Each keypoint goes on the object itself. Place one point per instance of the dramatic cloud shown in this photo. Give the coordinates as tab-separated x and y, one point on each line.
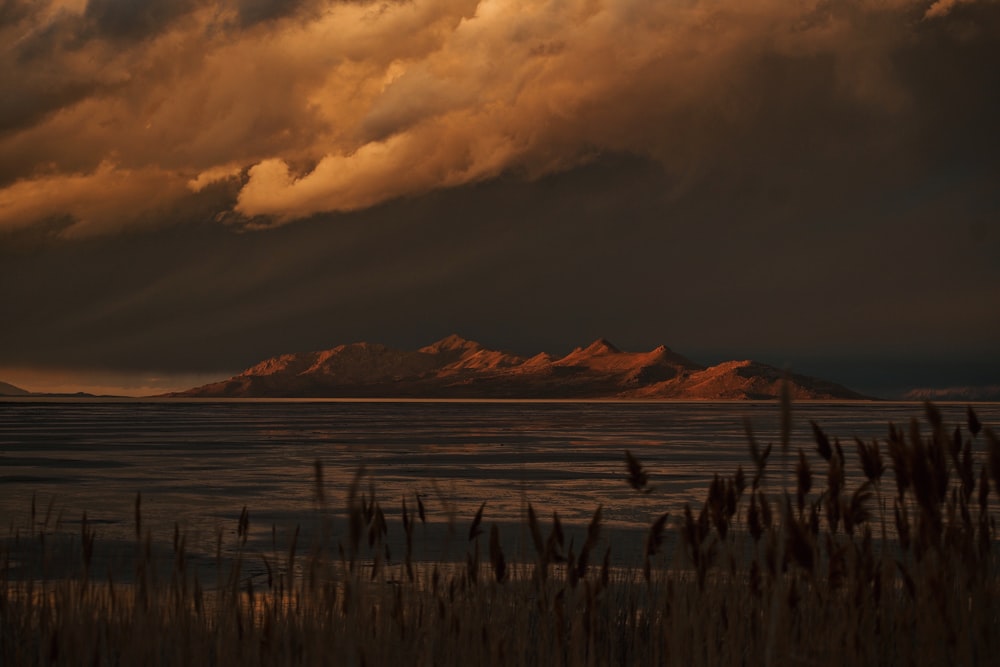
336	106
188	186
942	7
104	200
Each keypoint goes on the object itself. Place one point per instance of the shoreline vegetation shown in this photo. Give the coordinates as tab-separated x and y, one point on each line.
782	563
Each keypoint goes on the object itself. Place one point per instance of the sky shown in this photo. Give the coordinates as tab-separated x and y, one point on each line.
188	187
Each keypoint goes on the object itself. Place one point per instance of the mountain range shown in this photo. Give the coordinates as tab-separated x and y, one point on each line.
458	368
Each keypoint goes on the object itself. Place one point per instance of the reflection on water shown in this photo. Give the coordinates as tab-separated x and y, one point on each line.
199	463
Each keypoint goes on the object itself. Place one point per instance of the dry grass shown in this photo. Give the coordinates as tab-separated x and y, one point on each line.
774	568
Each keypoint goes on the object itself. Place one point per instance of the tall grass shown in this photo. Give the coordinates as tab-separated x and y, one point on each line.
781	564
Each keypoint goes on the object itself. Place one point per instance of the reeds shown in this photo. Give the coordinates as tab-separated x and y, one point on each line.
808	571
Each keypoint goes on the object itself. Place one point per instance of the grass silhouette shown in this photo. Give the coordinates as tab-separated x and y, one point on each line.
782	564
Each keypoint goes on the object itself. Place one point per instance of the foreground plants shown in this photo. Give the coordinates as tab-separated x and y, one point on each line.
786	563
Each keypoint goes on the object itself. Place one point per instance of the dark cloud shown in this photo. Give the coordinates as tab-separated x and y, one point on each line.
32	73
13	12
601	250
131	20
806	186
36	100
252	12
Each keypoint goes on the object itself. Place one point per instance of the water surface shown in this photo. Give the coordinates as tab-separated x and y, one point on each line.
198	463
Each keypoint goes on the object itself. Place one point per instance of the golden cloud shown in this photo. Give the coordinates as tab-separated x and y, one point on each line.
347	105
943	7
104	200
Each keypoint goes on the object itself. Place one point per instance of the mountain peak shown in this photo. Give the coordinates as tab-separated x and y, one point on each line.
601	346
452	343
601	352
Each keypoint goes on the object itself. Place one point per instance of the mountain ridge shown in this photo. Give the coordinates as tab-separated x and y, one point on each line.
7	389
455	367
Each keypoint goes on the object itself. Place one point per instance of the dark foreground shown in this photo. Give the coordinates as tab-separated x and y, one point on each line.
868	553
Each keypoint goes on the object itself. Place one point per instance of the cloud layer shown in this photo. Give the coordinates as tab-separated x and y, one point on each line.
805	181
123	111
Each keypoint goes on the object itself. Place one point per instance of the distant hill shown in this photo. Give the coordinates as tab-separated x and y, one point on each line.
11	390
458	368
987	393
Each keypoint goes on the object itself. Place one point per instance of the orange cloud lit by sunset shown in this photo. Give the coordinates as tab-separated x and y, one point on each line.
341	106
189	186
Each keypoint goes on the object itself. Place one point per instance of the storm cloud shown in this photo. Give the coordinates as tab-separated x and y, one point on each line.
339	106
189	186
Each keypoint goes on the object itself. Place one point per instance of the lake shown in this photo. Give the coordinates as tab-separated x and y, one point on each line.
198	463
